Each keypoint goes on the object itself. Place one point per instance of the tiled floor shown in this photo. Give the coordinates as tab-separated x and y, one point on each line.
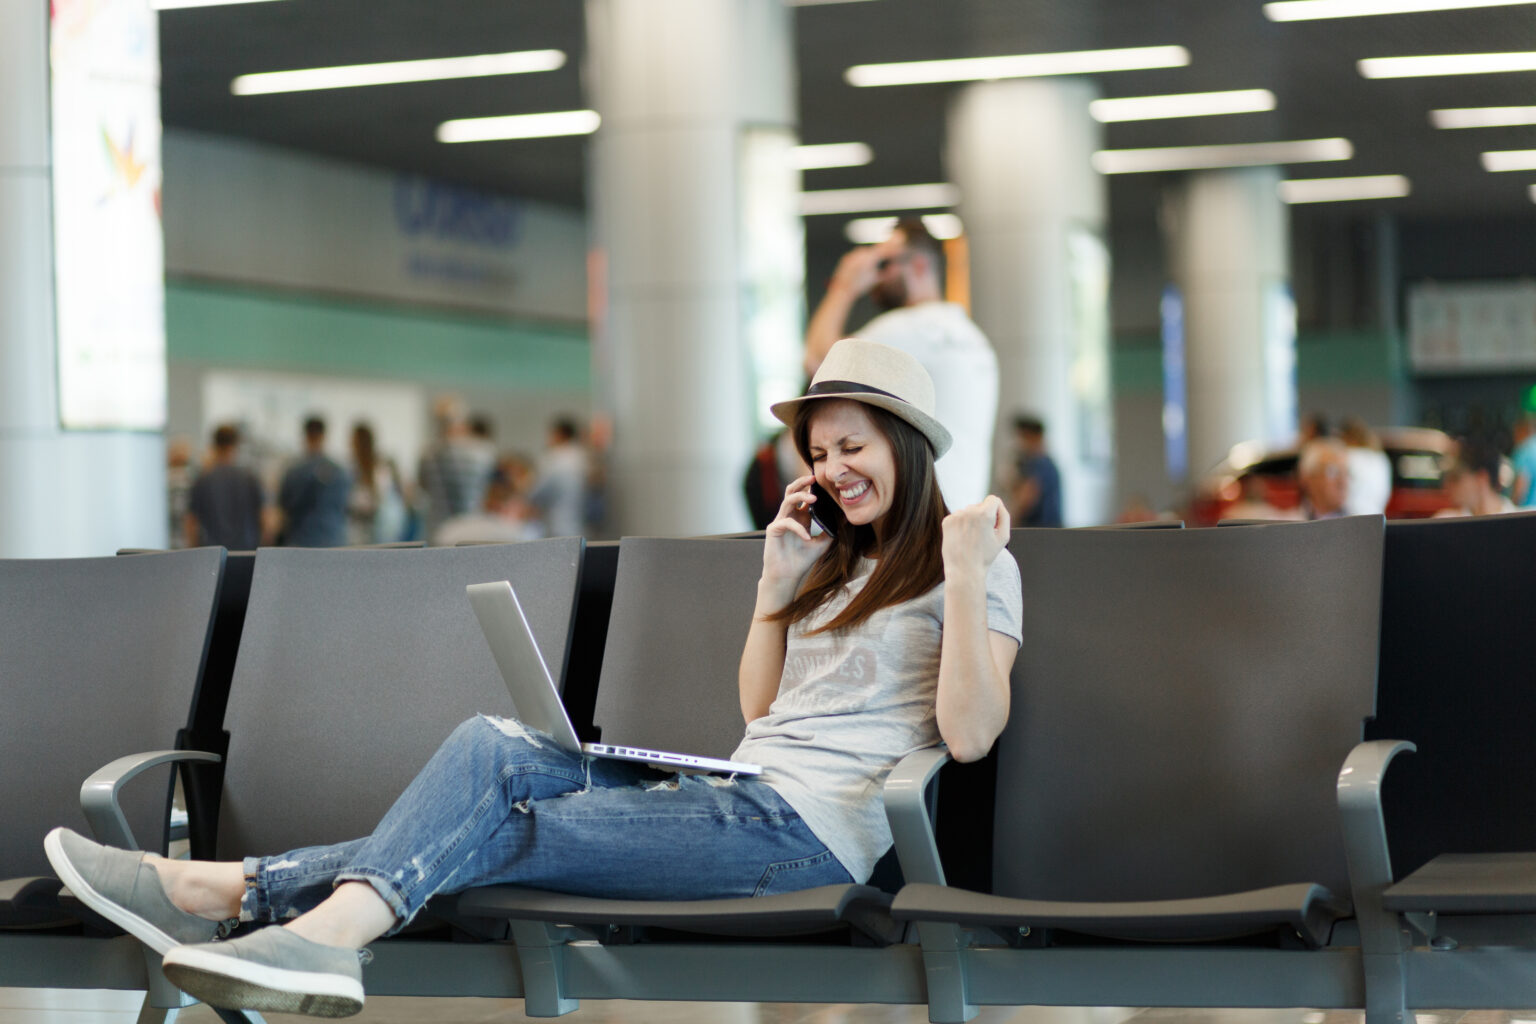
58	1006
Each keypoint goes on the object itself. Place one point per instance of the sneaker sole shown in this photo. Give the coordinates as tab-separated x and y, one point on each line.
233	984
118	914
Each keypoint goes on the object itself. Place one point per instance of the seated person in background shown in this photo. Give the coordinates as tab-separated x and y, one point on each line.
1370	470
1472	481
1323	472
894	633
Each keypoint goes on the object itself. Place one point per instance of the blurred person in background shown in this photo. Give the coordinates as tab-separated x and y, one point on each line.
1323	472
506	517
903	276
773	466
481	426
313	495
1472	481
376	503
1035	495
564	471
1523	458
225	505
1370	470
454	473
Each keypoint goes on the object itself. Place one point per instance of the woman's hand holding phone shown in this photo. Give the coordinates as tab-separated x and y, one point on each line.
790	550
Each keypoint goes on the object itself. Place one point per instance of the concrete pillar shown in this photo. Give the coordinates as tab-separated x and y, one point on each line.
697	100
62	493
1034	213
1229	242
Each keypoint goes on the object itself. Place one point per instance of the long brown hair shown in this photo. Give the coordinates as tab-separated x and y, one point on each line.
911	557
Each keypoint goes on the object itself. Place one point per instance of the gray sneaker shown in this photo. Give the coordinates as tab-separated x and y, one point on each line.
122	888
274	970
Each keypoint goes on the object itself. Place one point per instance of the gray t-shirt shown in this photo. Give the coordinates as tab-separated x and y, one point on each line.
851	704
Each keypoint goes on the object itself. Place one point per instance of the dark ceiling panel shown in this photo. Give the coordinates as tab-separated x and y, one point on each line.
1310	66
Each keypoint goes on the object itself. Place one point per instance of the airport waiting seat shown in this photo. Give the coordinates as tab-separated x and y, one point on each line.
1458	678
1183	703
101	658
354	665
681	612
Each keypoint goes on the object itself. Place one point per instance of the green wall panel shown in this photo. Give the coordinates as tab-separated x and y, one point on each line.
271	330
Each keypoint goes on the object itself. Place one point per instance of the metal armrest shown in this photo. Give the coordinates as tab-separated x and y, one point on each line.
906	808
1365	840
99	793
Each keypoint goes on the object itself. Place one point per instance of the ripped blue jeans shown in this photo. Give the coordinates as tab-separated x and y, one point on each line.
501	804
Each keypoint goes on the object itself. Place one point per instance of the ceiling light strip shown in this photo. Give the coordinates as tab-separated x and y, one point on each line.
1446	64
870	200
1194	158
832	154
1337	190
1510	160
519	126
1308	10
1189	104
1026	65
1482	117
176	5
394	72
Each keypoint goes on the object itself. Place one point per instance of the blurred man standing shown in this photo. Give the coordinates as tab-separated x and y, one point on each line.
1036	492
561	491
1472	481
903	276
456	470
313	496
226	500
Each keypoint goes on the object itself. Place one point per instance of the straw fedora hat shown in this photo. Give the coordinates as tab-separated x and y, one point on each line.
878	375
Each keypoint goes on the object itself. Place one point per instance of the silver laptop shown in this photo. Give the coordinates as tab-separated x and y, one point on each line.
535	700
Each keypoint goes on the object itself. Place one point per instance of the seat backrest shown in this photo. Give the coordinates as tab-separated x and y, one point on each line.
354	666
1458	678
681	612
1183	701
99	658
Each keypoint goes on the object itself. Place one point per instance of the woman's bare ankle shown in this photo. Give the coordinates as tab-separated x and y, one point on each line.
208	889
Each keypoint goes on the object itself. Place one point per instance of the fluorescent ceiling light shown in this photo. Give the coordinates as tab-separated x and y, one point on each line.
1481	117
1189	104
1338	190
176	5
1192	158
1025	65
869	230
1446	64
833	154
1307	10
1510	160
867	200
519	126
434	69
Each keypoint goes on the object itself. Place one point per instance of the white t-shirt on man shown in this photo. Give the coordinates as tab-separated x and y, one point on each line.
963	366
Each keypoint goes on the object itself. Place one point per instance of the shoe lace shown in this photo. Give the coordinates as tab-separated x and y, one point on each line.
365	957
226	926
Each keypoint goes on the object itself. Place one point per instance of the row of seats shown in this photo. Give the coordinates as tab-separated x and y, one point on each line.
1180	812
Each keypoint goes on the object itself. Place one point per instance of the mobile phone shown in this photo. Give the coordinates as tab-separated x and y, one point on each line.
824	510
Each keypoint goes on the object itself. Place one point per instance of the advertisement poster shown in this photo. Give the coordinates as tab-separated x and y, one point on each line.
108	245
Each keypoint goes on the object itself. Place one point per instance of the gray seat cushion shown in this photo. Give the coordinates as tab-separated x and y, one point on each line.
794	913
1308	910
1468	883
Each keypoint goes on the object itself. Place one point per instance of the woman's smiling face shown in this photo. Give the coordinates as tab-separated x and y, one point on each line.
853	461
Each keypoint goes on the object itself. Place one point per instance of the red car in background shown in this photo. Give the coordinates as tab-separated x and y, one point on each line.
1252	481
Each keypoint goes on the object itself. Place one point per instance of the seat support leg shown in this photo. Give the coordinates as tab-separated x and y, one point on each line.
944	970
541	953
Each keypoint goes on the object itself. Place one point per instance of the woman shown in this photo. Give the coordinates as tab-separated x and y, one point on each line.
375	506
894	634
